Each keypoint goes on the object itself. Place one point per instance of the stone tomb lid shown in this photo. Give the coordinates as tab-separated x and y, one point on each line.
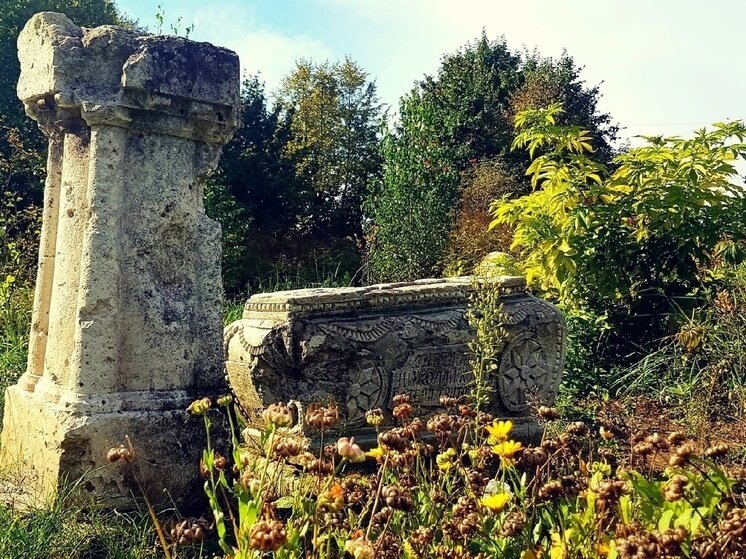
323	300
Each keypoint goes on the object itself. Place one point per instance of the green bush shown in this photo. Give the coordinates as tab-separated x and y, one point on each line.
628	245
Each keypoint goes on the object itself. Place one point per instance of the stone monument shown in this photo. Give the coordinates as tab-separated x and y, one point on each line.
361	346
127	312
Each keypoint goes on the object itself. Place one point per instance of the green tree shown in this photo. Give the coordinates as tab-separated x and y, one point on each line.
255	194
415	198
469	107
334	117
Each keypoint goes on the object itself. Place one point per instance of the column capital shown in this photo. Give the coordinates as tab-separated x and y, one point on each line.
114	76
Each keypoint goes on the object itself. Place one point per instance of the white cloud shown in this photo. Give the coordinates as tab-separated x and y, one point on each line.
261	49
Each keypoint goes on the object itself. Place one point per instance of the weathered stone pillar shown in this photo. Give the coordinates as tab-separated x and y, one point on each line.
127	314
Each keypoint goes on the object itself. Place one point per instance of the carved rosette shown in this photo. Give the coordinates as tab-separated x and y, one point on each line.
368	390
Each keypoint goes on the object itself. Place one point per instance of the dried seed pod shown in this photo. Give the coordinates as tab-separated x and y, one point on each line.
397	497
717	451
548	414
278	414
268	535
321	418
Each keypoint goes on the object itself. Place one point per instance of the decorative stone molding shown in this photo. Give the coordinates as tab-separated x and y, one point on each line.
127	312
361	346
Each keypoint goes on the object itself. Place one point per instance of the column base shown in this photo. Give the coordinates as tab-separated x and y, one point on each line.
51	447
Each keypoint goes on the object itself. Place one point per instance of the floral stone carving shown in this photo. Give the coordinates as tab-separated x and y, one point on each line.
360	346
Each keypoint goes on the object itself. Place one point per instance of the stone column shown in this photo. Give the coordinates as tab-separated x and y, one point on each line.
127	326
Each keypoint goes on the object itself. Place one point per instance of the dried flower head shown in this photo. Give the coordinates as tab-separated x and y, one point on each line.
374	417
287	448
278	414
268	535
199	407
190	531
548	414
322	418
121	452
448	401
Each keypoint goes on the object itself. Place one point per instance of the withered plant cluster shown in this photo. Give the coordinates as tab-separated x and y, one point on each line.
457	484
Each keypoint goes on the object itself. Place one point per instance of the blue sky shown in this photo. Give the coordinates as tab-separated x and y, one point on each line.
666	66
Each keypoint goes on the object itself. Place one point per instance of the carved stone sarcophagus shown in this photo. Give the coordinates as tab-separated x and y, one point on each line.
360	346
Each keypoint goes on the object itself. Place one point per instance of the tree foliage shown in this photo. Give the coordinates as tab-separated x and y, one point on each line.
334	115
465	114
630	244
415	201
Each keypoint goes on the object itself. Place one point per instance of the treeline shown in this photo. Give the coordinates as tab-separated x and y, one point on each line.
322	179
321	184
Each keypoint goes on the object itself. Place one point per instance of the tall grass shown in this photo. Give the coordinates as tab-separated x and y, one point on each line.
15	320
72	529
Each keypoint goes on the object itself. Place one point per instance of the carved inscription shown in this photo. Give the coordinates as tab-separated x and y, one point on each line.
432	372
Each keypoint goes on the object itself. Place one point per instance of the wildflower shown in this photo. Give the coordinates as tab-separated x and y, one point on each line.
225	400
278	415
499	430
199	407
507	450
496	503
360	548
349	450
333	499
559	546
376	453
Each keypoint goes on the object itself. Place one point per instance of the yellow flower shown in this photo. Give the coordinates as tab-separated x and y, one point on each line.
499	430
333	499
376	453
507	449
497	502
604	547
445	460
559	547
